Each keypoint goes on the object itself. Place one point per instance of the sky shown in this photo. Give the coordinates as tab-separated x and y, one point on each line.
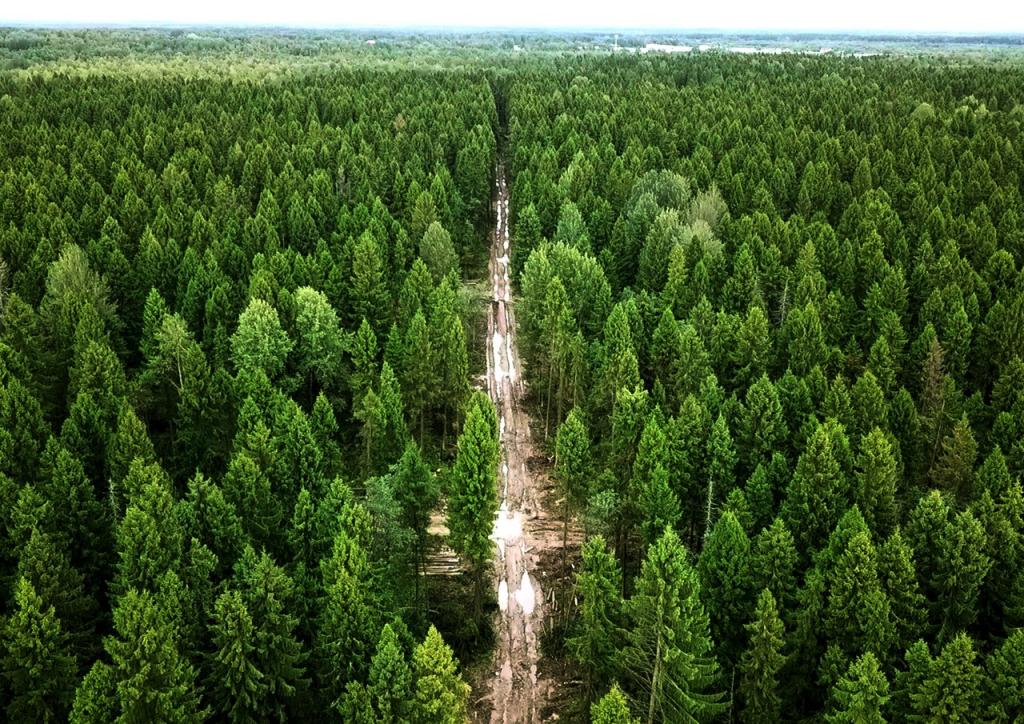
937	16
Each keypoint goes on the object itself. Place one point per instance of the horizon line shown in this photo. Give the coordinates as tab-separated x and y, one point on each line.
447	29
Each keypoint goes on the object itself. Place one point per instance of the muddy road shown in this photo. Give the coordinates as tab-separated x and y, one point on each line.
524	532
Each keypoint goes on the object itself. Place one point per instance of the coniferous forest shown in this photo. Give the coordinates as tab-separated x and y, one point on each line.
770	312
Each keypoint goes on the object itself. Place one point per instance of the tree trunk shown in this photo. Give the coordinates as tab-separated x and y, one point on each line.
565	534
655	676
547	412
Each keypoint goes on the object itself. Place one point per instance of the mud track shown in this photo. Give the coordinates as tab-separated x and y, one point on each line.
524	531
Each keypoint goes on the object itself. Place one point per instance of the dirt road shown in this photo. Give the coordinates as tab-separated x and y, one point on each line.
522	529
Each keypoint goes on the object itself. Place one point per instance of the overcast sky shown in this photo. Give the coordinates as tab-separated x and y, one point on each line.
959	16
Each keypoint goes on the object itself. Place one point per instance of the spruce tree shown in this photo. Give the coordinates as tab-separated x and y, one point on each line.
598	632
721	468
761	663
898	575
259	342
236	687
951	690
954	469
724	569
861	695
420	377
453	368
669	654
365	372
877	483
773	561
572	466
267	592
155	681
473	493
440	695
47	568
656	505
390	683
963	566
438	252
762	425
612	708
813	501
345	633
38	665
1004	681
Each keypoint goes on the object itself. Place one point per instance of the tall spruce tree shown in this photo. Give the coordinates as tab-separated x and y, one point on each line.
38	665
861	695
440	695
236	687
598	631
670	655
473	492
761	663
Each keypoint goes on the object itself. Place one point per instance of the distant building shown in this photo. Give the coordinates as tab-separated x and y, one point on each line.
662	48
371	41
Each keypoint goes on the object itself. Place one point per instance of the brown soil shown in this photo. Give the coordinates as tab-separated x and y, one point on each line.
528	529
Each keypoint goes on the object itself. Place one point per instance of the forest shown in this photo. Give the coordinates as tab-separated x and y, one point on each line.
770	312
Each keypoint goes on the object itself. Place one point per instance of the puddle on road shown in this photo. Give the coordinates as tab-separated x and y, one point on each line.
525	596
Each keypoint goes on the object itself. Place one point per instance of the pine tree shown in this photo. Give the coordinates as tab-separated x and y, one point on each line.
761	663
898	576
440	695
155	682
669	654
419	372
390	683
877	482
259	342
572	466
954	469
951	690
37	662
613	708
657	506
1004	681
724	569
861	694
473	494
235	685
813	501
438	252
857	616
773	561
267	593
598	631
